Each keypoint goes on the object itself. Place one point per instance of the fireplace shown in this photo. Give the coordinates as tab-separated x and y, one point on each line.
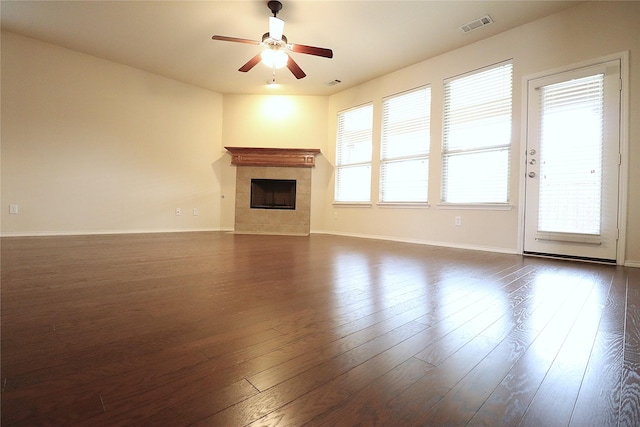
273	193
273	190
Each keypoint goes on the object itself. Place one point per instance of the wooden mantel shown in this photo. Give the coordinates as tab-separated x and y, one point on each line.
290	157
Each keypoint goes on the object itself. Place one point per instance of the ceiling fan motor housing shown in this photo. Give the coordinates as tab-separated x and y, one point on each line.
266	39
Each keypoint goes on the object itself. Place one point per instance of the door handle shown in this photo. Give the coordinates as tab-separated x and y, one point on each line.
532	174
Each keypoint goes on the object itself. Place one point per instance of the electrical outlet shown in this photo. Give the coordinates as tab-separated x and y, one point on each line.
195	212
335	215
178	211
458	221
13	209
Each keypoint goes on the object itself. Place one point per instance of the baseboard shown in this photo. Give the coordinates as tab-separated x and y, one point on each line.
422	242
106	232
628	263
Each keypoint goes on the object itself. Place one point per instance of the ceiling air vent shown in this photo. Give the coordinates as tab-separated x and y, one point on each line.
333	82
476	23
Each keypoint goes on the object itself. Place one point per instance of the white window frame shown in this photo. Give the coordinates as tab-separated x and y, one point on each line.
460	117
400	117
353	155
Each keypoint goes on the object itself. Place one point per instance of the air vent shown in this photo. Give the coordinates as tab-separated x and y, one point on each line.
476	23
333	82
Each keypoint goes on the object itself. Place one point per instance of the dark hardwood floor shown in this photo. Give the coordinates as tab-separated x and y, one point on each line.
217	329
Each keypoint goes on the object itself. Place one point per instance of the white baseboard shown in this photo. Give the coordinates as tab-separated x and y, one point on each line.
105	232
628	263
422	242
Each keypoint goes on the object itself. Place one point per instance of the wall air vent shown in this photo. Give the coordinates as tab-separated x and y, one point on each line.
476	23
333	82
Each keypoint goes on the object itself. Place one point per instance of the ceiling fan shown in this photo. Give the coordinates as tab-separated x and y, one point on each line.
275	53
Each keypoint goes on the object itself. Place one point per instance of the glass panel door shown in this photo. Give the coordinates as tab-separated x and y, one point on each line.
572	163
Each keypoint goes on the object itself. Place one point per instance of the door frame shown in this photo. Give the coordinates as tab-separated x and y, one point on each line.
623	171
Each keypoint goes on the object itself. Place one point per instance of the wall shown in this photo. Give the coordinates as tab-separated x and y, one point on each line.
588	31
276	122
91	146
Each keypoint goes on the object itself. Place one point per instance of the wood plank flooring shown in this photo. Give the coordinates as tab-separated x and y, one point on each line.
217	329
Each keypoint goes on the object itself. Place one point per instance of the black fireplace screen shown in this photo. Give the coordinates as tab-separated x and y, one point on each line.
273	193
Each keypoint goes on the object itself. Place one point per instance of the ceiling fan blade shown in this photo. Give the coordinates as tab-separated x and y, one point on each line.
251	63
235	39
311	50
295	68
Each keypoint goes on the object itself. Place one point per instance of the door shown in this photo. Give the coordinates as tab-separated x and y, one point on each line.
572	163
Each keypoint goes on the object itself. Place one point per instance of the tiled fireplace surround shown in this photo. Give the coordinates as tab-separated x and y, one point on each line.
273	163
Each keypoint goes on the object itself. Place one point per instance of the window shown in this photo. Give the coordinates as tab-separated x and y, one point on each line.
477	137
404	151
571	151
353	155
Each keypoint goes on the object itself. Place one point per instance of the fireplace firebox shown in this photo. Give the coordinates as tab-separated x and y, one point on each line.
273	194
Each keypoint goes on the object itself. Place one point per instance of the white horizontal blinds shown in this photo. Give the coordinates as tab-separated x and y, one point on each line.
571	147
353	155
404	151
477	137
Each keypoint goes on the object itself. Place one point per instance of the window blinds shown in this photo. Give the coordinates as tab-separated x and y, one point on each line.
404	151
353	155
477	137
571	146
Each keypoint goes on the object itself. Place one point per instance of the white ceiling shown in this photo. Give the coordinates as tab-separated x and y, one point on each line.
173	38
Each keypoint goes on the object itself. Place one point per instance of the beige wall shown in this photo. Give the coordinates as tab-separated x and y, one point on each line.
91	146
579	34
280	122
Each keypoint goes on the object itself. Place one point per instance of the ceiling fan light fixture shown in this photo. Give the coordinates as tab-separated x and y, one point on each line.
274	58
